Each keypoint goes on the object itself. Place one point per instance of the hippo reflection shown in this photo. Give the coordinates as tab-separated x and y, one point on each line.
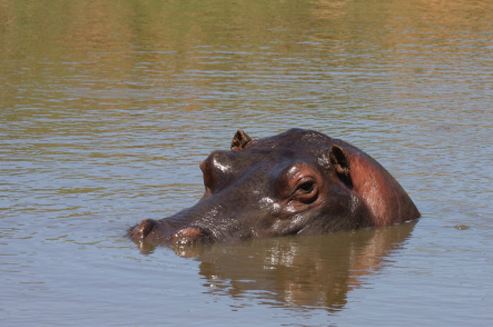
316	271
299	182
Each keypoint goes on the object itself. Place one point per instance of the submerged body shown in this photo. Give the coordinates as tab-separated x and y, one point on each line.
297	182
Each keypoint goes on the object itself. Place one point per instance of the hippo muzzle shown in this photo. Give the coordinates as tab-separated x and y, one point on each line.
298	182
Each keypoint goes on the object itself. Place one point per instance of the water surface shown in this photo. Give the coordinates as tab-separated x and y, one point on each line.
107	107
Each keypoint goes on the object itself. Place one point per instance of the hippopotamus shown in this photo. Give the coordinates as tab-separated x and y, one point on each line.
300	182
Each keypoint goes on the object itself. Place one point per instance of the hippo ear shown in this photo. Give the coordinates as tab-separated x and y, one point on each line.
240	140
382	194
340	162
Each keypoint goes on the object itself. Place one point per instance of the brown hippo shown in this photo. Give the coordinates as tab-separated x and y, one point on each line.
298	182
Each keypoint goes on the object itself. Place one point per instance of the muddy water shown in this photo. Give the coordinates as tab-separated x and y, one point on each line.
107	107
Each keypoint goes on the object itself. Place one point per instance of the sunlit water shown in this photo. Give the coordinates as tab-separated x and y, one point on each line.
106	109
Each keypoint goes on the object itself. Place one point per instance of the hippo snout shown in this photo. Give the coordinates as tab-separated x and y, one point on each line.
153	231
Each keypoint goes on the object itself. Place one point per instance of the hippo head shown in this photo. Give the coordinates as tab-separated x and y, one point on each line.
297	182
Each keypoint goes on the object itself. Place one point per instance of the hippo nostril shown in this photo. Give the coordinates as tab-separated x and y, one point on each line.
190	235
189	232
140	231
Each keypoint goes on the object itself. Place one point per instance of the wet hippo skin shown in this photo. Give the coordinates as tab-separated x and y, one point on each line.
299	182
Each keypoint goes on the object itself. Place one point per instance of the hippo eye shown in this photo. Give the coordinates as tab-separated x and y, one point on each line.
306	191
307	186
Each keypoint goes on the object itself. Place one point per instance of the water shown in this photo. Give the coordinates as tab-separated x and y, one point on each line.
107	107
